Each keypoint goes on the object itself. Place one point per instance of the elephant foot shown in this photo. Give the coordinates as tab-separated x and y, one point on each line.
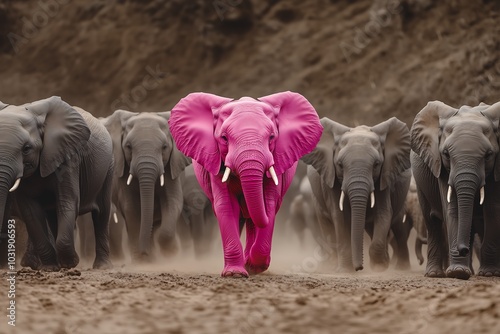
458	271
143	258
69	260
403	265
489	271
344	269
257	264
49	267
102	264
32	261
234	272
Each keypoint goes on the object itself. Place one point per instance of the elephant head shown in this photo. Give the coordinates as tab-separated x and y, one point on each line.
144	149
250	138
361	160
37	138
461	147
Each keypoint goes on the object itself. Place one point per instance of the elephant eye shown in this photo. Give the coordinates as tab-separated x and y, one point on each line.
128	145
224	138
376	163
164	147
446	154
488	155
27	149
271	137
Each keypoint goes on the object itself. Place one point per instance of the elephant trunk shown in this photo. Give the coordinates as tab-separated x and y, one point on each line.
147	175
7	179
358	193
466	187
252	183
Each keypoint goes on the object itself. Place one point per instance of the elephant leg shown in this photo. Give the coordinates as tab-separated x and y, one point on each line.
394	246
418	251
201	235
490	248
250	237
259	257
401	234
40	253
65	243
167	239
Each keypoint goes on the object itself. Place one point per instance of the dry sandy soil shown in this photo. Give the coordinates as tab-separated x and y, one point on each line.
299	294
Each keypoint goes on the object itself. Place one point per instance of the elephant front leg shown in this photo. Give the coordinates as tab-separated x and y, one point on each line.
40	253
259	257
167	240
251	234
490	249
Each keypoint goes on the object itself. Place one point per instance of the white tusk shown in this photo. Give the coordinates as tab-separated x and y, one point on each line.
226	174
162	180
115	217
372	200
341	202
16	184
129	179
273	175
482	196
404	218
448	197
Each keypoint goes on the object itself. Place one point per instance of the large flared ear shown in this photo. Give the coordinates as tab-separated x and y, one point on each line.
192	127
115	124
493	113
322	157
65	132
425	133
177	161
299	128
395	138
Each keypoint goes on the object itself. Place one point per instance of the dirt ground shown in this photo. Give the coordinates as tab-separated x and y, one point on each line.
299	294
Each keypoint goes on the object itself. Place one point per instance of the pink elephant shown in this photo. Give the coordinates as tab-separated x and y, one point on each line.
245	153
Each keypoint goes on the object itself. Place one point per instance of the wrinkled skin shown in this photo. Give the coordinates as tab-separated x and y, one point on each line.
360	162
62	156
455	155
242	139
197	224
145	153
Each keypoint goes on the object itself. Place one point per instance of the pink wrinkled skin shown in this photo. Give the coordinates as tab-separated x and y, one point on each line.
248	136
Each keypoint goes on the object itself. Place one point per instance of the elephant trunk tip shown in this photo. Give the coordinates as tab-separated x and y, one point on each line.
463	250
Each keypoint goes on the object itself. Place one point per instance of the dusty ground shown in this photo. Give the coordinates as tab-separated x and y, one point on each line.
298	295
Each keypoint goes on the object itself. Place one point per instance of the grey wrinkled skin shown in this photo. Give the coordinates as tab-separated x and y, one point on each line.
144	148
360	161
63	156
458	149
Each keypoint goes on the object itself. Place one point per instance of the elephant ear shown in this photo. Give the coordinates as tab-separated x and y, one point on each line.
493	113
178	161
65	132
321	158
395	138
299	128
425	133
192	127
115	124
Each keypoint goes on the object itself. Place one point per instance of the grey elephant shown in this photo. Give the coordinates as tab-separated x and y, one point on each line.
415	220
360	177
456	164
147	183
55	164
302	214
197	225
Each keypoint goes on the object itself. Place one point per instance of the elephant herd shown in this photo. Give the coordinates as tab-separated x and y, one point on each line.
169	175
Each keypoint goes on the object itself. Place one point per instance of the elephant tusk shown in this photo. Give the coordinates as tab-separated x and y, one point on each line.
162	180
448	197
372	200
481	196
273	175
129	180
115	217
226	174
16	184
404	218
341	202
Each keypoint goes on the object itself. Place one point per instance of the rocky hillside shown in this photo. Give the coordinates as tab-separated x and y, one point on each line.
356	61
